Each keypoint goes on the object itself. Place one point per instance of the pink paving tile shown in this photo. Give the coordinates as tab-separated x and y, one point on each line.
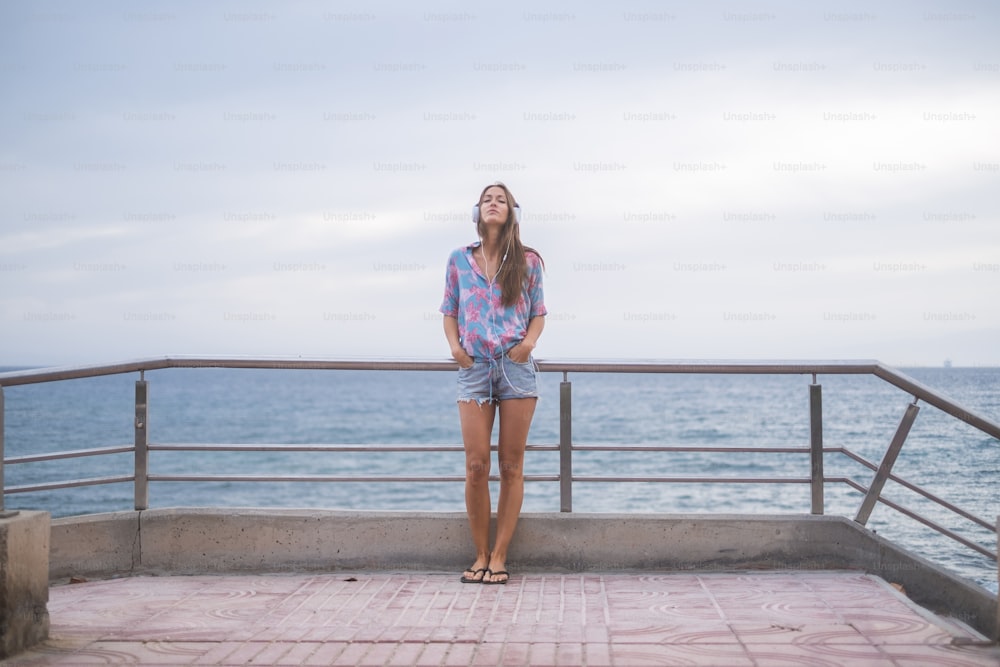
863	600
377	653
715	632
273	653
298	653
536	653
327	653
496	633
597	655
246	653
767	632
315	635
339	633
459	655
618	612
781	612
133	653
488	654
216	653
433	654
645	633
636	655
596	633
569	653
504	654
898	628
845	655
758	581
290	633
353	654
405	654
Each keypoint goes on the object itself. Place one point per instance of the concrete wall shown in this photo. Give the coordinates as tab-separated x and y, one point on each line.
189	541
95	545
24	581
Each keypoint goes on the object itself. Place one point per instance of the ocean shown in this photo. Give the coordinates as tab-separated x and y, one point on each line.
948	458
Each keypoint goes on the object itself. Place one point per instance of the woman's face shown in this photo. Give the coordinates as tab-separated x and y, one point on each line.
493	207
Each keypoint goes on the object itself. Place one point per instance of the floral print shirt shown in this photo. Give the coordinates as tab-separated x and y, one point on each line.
488	328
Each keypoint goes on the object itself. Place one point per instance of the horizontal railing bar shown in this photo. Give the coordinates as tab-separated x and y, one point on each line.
927	522
70	454
68	484
277	447
855	457
709	367
846	480
56	374
345	448
691	448
941	529
857	486
697	480
330	478
343	478
943	503
926	494
32	376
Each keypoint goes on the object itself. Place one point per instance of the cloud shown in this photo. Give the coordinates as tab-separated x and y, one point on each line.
703	180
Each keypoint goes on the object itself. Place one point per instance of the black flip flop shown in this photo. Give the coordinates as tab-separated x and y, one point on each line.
472	580
490	573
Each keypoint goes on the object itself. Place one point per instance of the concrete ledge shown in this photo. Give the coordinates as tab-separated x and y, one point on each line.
95	545
196	541
24	581
214	540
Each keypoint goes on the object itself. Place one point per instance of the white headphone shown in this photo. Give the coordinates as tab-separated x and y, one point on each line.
517	214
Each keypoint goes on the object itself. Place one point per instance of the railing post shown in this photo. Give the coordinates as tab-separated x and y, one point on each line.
4	514
885	469
141	445
816	445
565	445
3	487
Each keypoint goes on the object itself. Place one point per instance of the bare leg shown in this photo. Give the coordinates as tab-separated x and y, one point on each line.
477	427
515	420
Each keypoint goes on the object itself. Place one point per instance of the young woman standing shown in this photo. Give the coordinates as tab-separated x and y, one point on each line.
494	312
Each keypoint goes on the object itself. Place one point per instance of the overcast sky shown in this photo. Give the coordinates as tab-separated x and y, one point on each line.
779	180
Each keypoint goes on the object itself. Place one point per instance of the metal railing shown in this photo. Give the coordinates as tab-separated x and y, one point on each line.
872	493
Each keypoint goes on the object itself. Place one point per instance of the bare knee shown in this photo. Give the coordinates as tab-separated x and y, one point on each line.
477	471
511	471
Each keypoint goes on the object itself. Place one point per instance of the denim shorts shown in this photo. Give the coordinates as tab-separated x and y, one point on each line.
497	379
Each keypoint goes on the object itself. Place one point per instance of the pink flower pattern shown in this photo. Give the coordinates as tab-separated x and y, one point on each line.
488	328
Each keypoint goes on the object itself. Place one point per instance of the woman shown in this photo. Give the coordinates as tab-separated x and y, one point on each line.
494	312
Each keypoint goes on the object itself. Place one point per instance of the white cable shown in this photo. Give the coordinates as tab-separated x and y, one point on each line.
493	320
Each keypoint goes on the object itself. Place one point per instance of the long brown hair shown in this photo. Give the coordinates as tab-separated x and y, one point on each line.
513	274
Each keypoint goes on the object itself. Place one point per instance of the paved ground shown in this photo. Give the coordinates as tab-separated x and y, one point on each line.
735	618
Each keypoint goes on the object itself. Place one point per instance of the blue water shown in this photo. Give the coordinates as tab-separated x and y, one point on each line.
943	455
